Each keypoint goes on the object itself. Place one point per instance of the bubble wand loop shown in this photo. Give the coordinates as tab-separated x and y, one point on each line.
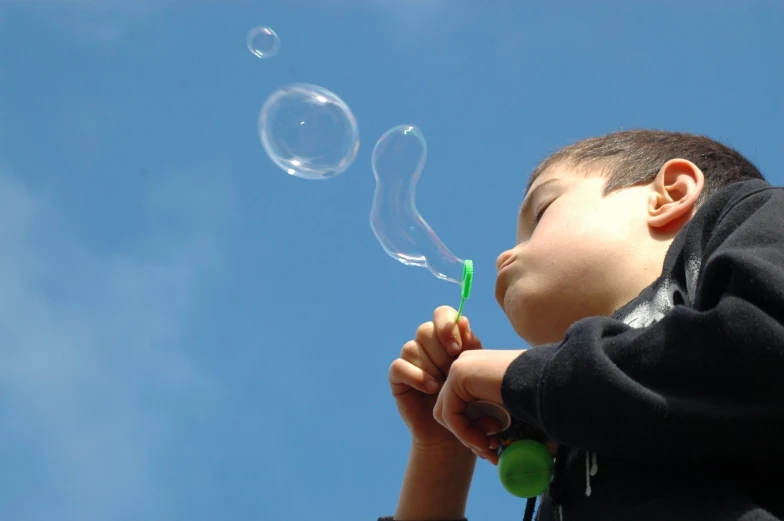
465	286
524	464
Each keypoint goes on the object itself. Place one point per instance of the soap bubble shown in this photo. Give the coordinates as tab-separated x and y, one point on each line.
263	42
308	131
398	161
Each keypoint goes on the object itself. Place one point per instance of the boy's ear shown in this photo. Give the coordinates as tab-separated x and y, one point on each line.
674	194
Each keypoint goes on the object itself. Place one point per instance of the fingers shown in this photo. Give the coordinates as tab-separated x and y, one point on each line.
490	426
447	331
438	343
414	370
489	455
470	341
454	336
449	411
429	344
425	361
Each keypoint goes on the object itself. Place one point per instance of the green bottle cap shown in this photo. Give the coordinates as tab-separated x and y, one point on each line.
525	468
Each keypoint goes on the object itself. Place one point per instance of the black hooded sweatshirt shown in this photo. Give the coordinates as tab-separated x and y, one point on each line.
673	408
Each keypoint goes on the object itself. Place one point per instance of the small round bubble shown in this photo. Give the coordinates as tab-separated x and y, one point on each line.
308	131
398	161
263	42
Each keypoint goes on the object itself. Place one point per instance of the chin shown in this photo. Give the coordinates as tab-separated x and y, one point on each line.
535	335
531	319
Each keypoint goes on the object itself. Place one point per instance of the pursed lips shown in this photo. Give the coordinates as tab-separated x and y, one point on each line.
500	286
508	262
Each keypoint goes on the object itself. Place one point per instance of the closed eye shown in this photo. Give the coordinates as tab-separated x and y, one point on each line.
540	213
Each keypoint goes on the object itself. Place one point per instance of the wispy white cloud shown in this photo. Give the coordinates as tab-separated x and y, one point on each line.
93	365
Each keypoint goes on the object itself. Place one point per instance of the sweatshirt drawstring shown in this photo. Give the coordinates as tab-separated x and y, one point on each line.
530	506
591	468
556	490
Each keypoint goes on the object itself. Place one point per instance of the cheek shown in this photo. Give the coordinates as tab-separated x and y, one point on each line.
571	257
560	243
556	292
576	235
569	268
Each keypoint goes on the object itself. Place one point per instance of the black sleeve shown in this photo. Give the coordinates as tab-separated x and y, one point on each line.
704	382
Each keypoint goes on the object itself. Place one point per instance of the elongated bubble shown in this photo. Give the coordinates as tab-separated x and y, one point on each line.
398	160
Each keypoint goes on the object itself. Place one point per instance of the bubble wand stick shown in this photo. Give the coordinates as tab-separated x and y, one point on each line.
524	464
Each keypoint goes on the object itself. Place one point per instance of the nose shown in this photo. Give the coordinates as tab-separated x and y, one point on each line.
502	259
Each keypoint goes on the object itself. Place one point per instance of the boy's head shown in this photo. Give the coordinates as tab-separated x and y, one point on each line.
597	220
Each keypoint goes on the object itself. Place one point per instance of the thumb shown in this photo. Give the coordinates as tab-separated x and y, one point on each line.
470	341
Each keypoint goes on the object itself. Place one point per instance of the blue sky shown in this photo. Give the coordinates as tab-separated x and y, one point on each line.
186	332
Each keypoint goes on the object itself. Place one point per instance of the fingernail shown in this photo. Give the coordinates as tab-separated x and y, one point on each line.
453	348
431	386
493	444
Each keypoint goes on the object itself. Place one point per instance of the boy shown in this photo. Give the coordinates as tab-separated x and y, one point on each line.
648	277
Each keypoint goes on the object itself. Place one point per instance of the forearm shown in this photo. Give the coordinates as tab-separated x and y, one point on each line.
436	484
630	393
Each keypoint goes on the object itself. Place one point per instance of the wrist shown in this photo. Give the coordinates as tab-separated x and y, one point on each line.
450	449
437	481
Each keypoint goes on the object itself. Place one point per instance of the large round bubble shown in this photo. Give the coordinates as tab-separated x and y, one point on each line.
308	131
263	42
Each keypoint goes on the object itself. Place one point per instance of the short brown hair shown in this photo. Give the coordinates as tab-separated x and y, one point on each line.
634	157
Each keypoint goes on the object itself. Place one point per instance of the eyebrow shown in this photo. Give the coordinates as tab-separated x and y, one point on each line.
524	208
